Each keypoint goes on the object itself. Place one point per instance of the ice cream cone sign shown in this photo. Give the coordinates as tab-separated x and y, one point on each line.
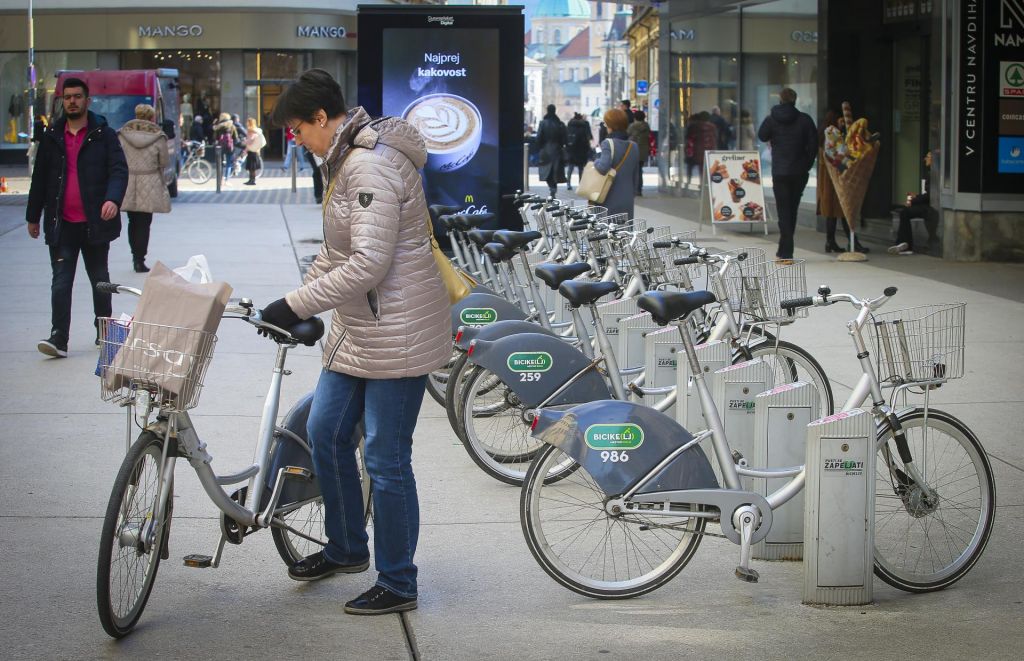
850	157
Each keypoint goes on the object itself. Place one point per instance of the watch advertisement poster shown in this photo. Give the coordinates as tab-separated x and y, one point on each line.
735	192
440	69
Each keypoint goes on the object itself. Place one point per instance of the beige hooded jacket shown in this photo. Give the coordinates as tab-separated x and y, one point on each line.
145	148
375	269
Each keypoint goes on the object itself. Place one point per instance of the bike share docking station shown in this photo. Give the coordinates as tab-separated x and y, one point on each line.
839	510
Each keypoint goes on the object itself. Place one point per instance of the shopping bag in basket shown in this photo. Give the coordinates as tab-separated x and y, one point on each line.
170	333
115	332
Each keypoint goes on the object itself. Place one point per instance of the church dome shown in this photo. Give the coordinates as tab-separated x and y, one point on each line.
562	8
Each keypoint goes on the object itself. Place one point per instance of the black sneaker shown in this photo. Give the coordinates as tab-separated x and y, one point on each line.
318	565
379	601
53	347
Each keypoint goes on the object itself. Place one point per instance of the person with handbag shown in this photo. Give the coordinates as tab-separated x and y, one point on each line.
254	143
618	152
391	327
145	146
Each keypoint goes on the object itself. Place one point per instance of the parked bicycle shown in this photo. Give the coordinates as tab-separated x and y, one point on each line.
626	517
280	490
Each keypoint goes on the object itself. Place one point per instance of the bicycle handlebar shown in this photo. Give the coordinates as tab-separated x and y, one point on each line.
825	298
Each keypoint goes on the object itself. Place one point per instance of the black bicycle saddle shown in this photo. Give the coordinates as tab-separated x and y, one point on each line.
584	293
665	306
555	274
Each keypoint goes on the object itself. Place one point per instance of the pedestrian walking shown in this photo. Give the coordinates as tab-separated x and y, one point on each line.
197	133
701	137
77	188
602	132
580	138
145	149
254	143
391	327
318	180
624	105
723	137
224	134
236	121
38	128
640	133
619	152
746	135
552	136
794	146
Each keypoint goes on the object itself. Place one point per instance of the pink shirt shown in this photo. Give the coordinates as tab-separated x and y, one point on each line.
73	210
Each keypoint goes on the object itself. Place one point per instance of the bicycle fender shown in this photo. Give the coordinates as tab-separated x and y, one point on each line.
535	365
498	330
479	309
590	433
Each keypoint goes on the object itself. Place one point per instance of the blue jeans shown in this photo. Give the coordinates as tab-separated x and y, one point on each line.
389	408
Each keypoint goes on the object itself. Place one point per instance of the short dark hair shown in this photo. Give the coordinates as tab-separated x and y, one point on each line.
625	102
639	115
551	109
75	82
787	95
314	90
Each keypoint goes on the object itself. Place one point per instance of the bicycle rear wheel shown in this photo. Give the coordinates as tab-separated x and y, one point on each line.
927	542
791	363
586	549
199	172
127	565
309	520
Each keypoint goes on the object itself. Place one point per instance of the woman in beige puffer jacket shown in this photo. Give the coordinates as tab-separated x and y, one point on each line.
391	327
145	148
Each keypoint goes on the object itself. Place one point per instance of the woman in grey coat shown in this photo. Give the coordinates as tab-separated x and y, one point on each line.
620	153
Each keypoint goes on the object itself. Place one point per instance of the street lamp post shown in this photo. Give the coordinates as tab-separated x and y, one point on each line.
31	74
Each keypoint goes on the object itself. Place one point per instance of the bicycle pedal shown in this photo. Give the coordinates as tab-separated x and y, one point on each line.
298	471
747	575
198	561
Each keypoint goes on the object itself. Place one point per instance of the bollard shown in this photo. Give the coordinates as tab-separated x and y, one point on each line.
295	158
526	166
219	170
839	509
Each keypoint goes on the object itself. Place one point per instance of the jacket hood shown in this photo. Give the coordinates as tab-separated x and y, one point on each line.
358	130
140	133
785	113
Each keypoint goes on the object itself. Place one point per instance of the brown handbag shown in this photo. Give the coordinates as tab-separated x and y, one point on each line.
593	185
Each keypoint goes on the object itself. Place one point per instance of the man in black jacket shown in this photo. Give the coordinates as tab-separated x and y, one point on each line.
794	142
78	184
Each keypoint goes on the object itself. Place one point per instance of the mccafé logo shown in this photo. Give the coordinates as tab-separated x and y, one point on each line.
530	361
469	198
614	437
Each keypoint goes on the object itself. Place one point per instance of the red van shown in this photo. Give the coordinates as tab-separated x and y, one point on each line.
116	93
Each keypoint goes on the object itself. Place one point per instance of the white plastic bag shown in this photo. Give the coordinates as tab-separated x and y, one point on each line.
197	270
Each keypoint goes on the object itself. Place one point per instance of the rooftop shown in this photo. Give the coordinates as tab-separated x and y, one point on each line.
559	8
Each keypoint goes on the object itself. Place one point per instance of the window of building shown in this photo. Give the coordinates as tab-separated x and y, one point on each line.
556	37
538	36
198	78
14	90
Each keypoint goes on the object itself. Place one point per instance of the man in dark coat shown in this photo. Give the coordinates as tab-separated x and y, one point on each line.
77	187
581	140
552	137
794	142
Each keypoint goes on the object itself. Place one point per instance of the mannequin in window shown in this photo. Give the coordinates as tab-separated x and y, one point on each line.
186	112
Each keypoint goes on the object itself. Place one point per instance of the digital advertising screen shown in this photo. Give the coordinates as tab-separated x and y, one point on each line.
456	74
445	83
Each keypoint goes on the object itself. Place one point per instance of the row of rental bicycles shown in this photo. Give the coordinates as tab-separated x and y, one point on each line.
610	370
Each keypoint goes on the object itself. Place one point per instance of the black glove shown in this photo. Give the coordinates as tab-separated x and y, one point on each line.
279	314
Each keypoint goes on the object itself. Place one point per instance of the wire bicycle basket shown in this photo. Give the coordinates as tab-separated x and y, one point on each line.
169	362
742	285
783	282
924	343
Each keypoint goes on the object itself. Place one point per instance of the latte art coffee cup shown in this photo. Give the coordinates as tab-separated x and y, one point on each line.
450	126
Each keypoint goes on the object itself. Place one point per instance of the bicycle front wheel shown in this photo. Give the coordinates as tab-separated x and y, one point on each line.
791	363
586	549
199	172
127	564
928	536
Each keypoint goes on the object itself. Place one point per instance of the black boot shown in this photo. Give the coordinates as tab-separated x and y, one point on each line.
139	264
830	236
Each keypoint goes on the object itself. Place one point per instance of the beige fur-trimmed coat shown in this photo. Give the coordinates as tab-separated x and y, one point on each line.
145	148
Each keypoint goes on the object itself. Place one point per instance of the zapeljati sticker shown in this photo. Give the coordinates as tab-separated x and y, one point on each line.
530	361
478	316
614	436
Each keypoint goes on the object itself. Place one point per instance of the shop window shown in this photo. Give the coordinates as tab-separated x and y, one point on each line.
199	81
14	90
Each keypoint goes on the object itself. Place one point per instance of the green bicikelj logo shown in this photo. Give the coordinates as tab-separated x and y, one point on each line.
478	316
530	361
614	437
